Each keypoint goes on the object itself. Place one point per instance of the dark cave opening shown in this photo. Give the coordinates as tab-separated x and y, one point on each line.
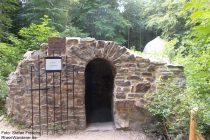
99	82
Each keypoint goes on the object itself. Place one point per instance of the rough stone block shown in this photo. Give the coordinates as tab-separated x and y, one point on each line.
123	83
146	74
131	58
150	79
120	104
56	45
136	95
129	104
151	68
87	41
108	46
113	50
44	47
143	87
120	95
72	41
143	65
134	77
121	123
123	70
100	44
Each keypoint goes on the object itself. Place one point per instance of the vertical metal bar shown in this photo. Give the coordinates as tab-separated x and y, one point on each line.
54	100
32	110
46	98
40	127
61	104
53	103
67	94
46	101
73	92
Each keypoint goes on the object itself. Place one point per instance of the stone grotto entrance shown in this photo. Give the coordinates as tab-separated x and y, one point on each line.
99	80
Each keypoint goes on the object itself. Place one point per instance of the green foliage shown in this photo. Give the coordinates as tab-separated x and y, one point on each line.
7	7
164	17
197	62
31	37
169	49
138	35
199	20
8	58
56	10
101	19
71	31
194	53
3	93
197	44
170	104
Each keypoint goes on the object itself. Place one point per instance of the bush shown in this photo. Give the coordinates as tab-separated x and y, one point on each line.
33	36
172	104
9	56
3	93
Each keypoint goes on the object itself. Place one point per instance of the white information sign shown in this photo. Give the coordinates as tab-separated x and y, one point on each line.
53	64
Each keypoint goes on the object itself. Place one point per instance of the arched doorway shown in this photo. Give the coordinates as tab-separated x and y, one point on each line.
99	81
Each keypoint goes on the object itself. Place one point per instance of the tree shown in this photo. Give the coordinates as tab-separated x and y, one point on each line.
7	7
137	35
196	42
9	56
56	10
30	39
101	19
33	36
73	31
164	17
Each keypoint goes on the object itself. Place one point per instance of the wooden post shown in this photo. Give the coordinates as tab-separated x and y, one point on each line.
193	134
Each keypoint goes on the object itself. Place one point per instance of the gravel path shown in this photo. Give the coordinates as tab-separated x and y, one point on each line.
6	130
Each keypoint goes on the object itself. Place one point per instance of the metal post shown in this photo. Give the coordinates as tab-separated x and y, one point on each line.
46	101
54	100
67	94
61	113
32	111
73	92
40	127
46	95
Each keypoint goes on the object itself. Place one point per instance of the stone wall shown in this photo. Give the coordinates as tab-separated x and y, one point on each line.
134	76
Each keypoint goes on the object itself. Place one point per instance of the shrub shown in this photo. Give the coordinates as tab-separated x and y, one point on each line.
33	36
171	106
3	93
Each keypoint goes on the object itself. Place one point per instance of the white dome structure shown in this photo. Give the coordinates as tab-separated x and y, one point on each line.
156	45
155	50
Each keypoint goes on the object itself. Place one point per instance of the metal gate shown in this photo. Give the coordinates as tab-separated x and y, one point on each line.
50	109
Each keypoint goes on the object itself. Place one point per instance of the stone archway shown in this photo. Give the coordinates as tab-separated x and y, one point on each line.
99	84
134	76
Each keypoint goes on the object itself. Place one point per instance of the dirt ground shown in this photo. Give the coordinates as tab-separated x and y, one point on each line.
7	132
